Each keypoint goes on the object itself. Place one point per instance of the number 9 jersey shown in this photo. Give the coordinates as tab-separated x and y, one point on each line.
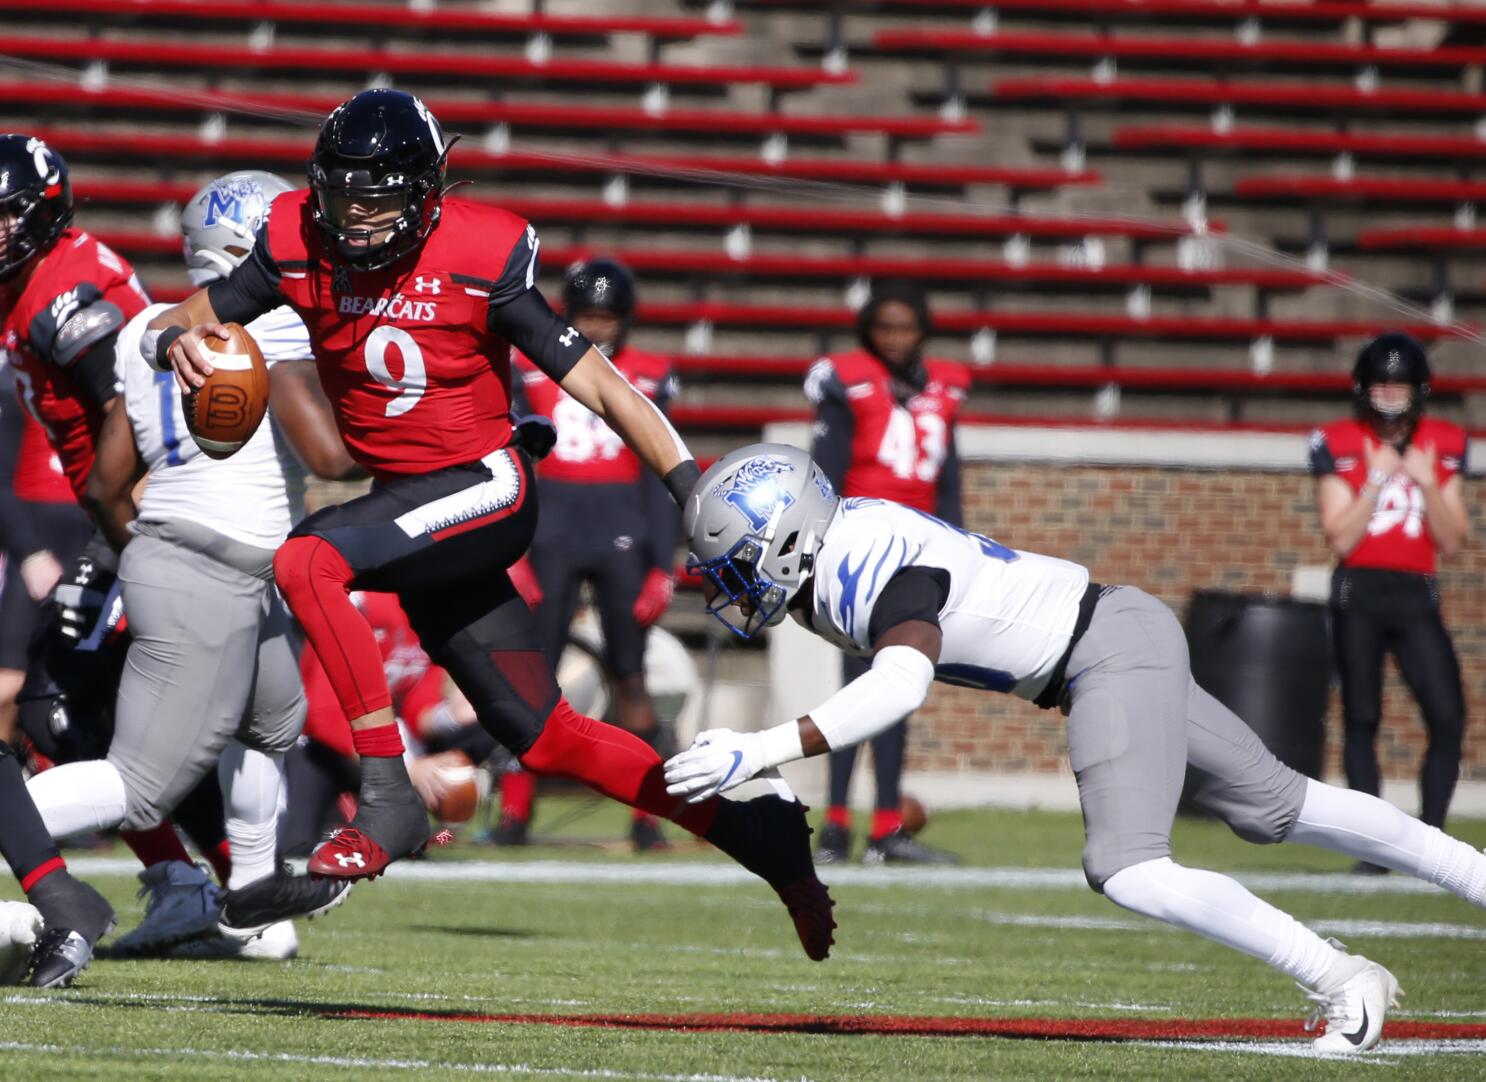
416	377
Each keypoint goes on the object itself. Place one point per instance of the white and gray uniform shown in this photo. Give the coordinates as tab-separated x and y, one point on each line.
1136	718
212	655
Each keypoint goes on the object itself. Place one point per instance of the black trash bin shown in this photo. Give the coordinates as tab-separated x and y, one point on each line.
1268	659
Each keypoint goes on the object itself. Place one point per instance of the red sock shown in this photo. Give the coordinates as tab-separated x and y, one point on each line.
518	791
615	762
156	844
40	872
885	821
220	858
316	579
839	815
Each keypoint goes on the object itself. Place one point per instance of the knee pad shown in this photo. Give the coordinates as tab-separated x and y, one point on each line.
276	733
1106	858
1262	826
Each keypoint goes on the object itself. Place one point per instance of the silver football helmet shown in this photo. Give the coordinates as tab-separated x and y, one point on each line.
755	522
220	220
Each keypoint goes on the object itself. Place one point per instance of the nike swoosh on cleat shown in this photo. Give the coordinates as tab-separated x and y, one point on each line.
737	759
1361	1034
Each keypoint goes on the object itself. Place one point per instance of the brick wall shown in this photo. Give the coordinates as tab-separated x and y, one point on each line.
1170	532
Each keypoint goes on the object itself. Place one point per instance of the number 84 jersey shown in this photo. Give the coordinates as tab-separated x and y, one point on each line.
416	377
1009	615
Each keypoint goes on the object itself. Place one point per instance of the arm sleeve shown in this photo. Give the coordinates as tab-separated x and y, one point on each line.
1322	461
660	510
252	289
531	325
948	503
914	593
832	431
94	371
18	537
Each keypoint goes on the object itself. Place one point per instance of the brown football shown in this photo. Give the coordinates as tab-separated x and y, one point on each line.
223	413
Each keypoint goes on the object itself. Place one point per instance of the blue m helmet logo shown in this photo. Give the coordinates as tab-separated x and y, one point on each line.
757	491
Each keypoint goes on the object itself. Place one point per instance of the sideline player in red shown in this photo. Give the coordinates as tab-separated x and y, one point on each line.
1391	497
413	300
604	519
885	427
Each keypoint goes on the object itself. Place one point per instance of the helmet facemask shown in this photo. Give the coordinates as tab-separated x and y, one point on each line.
372	224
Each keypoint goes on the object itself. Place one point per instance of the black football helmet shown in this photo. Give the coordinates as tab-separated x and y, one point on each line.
1393	357
36	198
604	284
381	149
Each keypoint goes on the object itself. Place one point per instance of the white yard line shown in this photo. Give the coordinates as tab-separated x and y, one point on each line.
717	874
1384	1056
242	1056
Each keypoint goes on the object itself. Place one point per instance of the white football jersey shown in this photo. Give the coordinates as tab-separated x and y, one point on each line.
1009	616
257	494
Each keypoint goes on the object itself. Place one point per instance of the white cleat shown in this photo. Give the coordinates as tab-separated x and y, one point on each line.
20	927
1355	1012
278	943
183	904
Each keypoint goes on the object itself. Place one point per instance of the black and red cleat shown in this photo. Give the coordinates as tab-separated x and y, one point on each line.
349	854
770	837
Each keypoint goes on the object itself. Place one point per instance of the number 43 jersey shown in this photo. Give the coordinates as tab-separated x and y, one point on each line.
1009	615
417	379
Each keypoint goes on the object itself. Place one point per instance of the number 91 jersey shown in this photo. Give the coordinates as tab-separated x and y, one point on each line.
417	379
1009	615
898	446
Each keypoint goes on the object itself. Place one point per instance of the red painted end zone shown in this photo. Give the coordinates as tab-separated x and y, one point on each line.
1052	1029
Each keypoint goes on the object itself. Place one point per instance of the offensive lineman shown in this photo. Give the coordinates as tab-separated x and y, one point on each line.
212	679
927	601
413	300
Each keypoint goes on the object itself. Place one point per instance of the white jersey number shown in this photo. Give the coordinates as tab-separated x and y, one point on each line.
414	380
913	444
581	436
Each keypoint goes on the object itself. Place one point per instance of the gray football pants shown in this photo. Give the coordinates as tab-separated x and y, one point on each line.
1137	719
213	658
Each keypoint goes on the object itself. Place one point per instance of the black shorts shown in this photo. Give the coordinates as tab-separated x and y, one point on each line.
64	528
442	542
594	533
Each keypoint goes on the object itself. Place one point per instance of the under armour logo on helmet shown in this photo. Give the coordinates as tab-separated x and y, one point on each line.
348	860
432	285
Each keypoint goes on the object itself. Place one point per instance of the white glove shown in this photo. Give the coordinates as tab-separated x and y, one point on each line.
717	760
20	925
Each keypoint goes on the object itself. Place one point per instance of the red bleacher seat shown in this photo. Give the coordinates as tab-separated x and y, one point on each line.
1066	325
401	17
1421	239
425	64
961	272
1183	50
788	220
1361	189
453	112
1321	11
163	148
1089	377
1195	92
1297	142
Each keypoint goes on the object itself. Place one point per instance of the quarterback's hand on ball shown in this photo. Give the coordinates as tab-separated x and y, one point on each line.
188	355
717	760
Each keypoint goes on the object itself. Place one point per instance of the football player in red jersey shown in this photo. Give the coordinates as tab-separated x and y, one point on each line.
1391	498
604	519
885	427
413	300
62	306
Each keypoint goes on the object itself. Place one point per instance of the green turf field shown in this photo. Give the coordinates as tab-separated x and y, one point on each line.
382	983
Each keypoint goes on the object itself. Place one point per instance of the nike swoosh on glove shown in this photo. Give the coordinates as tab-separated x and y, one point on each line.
717	760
